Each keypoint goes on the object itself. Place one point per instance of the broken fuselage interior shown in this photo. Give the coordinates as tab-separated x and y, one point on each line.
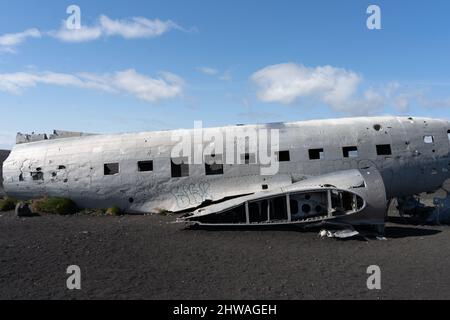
353	197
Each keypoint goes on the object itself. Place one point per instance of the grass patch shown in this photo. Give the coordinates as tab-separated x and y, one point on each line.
163	212
62	206
7	204
114	211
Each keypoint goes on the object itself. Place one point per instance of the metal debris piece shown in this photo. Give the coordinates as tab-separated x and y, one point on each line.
340	234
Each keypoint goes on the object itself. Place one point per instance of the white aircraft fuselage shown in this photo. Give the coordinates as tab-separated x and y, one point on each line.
135	172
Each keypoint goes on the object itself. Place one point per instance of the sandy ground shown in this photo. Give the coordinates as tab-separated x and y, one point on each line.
147	257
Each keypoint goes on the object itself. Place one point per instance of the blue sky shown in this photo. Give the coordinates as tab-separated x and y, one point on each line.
222	62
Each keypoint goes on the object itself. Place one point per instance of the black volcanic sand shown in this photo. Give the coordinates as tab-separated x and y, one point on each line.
148	257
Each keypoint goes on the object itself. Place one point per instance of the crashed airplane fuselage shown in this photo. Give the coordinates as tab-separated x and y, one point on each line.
341	170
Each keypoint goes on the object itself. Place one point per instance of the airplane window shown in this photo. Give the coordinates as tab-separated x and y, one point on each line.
316	154
179	167
350	152
283	156
248	158
384	150
428	139
110	169
145	166
213	165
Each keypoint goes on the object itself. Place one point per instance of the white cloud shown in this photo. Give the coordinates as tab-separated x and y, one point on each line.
134	28
149	89
77	35
137	27
208	71
9	41
285	83
336	87
224	76
422	100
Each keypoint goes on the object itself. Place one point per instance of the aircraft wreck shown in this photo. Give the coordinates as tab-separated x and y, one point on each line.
335	171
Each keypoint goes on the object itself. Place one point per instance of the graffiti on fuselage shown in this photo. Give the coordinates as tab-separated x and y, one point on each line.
192	194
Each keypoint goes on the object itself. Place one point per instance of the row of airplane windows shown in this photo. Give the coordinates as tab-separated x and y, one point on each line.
215	165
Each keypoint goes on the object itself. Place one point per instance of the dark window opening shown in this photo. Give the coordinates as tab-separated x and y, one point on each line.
428	139
384	150
145	166
316	154
110	169
213	165
179	167
36	176
213	169
61	167
249	158
350	152
283	156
